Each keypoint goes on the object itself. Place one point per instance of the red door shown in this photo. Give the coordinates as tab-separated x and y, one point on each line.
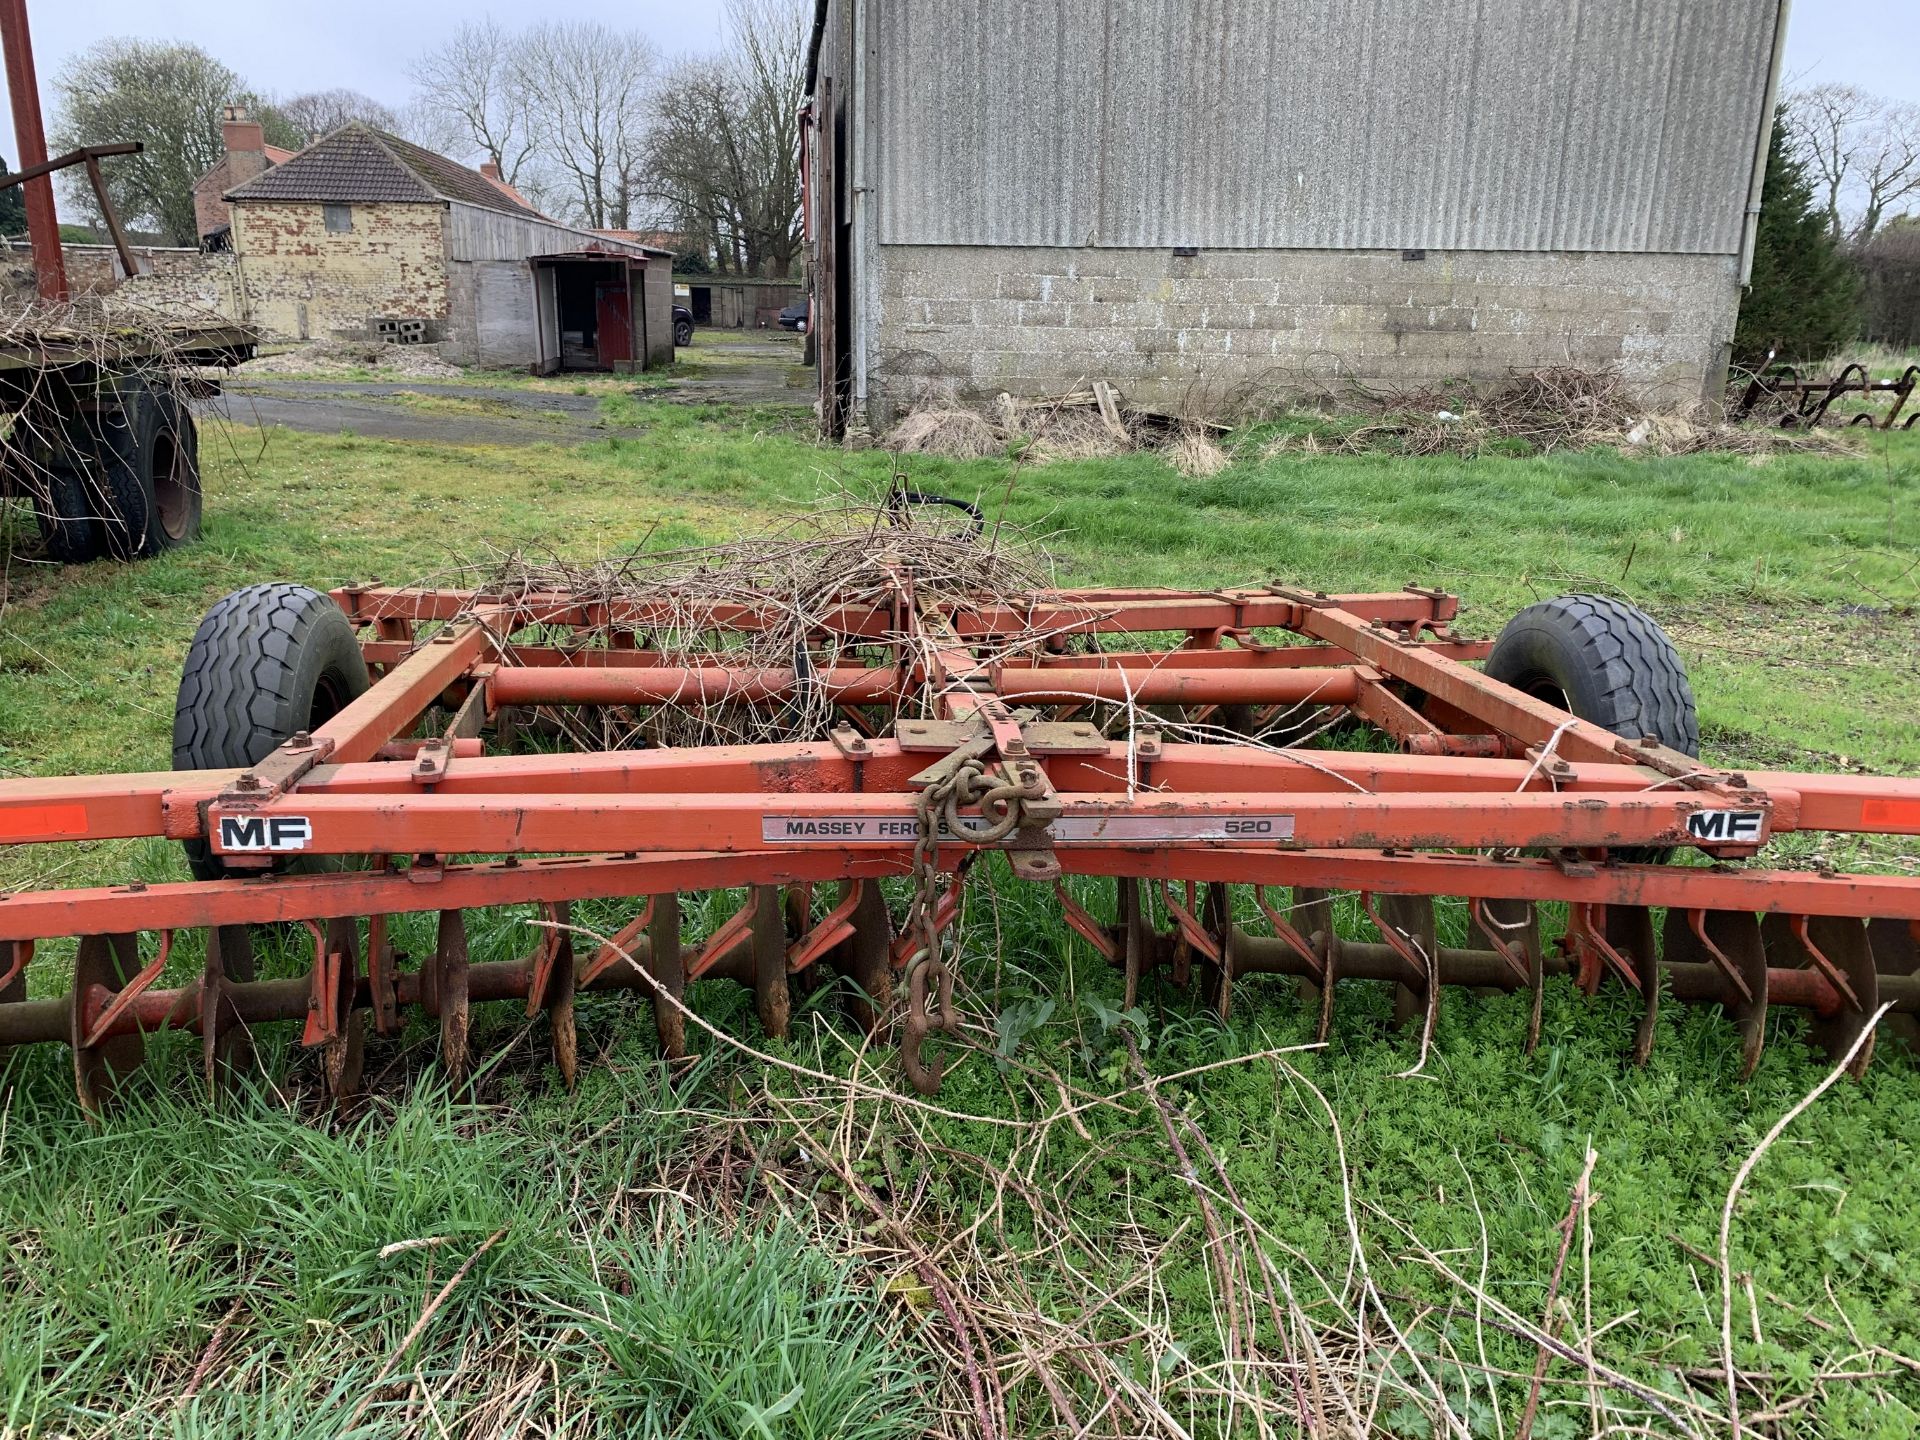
613	322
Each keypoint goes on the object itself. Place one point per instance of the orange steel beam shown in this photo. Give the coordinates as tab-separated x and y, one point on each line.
567	823
1281	657
273	899
1505	709
50	914
1167	684
1758	891
1068	611
398	700
165	803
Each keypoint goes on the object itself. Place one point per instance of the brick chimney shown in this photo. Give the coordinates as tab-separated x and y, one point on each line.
491	169
246	146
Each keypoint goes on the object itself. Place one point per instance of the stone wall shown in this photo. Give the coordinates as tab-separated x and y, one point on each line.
304	281
1212	332
178	282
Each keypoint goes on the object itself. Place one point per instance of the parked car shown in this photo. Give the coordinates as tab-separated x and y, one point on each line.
794	317
682	325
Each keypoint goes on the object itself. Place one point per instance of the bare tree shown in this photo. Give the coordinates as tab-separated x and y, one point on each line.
473	100
169	98
596	85
723	155
1861	151
319	112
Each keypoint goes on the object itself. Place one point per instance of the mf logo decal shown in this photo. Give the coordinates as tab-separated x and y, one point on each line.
265	832
1729	827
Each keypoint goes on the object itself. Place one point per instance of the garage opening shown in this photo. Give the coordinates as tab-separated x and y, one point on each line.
591	320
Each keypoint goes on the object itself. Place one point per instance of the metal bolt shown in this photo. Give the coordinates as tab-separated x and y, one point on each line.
301	739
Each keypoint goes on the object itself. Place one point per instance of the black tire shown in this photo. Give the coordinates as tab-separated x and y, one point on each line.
68	527
268	660
1604	660
146	450
683	332
1607	662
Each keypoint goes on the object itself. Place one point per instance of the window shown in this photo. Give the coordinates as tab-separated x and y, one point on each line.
339	219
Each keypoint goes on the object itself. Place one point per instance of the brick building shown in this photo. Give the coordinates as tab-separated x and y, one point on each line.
1215	201
247	155
363	234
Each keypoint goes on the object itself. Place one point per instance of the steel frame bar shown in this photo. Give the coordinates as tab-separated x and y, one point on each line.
170	803
49	914
559	824
1065	612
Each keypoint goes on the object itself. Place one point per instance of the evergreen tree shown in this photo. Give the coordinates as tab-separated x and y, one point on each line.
1805	295
13	206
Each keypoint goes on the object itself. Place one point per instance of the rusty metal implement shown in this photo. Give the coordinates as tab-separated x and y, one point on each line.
1129	748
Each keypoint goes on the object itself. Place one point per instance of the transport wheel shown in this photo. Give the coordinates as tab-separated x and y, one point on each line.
147	451
1607	662
683	333
62	504
268	660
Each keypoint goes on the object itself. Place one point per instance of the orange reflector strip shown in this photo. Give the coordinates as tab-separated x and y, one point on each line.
1895	814
42	822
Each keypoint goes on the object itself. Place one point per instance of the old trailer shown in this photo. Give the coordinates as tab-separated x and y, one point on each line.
99	434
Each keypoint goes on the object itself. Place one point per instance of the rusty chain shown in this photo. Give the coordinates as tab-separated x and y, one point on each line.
1001	806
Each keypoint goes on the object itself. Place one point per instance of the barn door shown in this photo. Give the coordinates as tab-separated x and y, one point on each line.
546	315
613	323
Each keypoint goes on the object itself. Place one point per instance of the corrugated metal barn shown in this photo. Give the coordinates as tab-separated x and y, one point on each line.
1209	200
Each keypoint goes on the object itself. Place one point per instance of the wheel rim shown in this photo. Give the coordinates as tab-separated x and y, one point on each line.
173	486
1543	687
329	699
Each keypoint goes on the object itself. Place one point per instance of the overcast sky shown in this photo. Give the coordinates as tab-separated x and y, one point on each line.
283	48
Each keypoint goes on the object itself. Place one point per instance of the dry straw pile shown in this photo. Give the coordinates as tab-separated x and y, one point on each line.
1080	425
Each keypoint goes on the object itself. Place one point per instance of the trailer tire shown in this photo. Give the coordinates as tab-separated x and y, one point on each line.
266	661
68	526
1607	662
148	451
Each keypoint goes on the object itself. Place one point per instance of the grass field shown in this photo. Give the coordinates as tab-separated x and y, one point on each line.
742	1250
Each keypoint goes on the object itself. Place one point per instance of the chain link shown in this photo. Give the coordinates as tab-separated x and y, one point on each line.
929	979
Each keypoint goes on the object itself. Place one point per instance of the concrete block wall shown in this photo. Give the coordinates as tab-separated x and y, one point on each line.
1227	329
304	281
491	314
656	294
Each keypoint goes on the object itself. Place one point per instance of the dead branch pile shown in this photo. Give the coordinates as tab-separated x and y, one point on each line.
1539	412
1080	425
795	580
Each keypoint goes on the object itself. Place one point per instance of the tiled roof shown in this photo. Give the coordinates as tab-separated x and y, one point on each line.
275	156
357	163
